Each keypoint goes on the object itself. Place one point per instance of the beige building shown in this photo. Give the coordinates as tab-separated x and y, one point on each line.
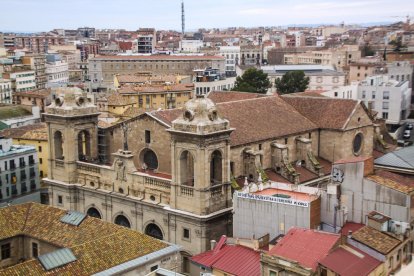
339	58
103	68
168	173
38	64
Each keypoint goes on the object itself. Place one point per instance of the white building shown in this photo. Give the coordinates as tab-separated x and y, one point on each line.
145	44
57	71
19	173
190	45
5	91
208	79
401	71
232	55
390	98
22	80
19	115
343	92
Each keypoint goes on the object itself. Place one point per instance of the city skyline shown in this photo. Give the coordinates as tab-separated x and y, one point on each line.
131	15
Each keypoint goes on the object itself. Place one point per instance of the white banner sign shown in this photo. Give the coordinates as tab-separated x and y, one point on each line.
275	199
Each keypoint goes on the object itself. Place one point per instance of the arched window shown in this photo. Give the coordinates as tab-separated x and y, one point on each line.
150	159
123	221
93	212
186	169
84	145
58	141
154	231
216	168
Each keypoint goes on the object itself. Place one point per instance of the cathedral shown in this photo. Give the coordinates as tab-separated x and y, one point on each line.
171	173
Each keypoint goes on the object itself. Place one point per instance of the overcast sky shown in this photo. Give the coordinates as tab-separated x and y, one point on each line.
44	15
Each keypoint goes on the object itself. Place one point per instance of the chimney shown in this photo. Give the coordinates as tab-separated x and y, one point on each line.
349	234
212	244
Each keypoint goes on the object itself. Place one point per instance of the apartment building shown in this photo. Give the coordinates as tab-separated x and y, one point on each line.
21	78
37	62
401	71
5	91
38	44
56	70
366	67
251	55
340	58
232	55
390	98
210	79
19	173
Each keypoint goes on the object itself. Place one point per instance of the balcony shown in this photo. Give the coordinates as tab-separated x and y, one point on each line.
32	174
22	164
187	191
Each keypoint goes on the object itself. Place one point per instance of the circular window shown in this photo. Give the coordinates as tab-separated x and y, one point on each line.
357	144
152	198
92	184
121	190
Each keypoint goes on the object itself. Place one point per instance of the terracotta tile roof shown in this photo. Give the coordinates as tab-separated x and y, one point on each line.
97	245
119	100
350	261
376	240
135	89
231	96
40	93
393	181
132	112
325	112
305	246
29	132
262	119
233	259
159	57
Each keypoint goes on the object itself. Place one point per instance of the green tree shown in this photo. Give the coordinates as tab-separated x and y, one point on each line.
398	45
252	80
291	82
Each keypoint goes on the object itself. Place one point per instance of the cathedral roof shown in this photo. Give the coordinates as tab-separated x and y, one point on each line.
326	113
256	119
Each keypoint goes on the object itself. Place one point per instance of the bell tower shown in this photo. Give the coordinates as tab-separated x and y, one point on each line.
72	132
200	151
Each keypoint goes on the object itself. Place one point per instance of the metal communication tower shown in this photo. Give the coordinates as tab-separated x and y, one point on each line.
182	17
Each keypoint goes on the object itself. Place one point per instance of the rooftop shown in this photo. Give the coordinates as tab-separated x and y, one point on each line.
147	88
377	240
392	180
263	118
232	259
287	194
305	246
13	111
403	158
350	261
97	245
29	132
326	113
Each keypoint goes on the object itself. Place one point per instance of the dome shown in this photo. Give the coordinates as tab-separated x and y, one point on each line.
200	108
200	116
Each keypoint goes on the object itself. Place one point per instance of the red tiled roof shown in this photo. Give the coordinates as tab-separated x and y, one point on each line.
350	261
254	119
231	96
305	246
325	112
233	259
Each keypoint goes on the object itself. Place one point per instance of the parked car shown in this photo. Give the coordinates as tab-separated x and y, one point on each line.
407	134
409	126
